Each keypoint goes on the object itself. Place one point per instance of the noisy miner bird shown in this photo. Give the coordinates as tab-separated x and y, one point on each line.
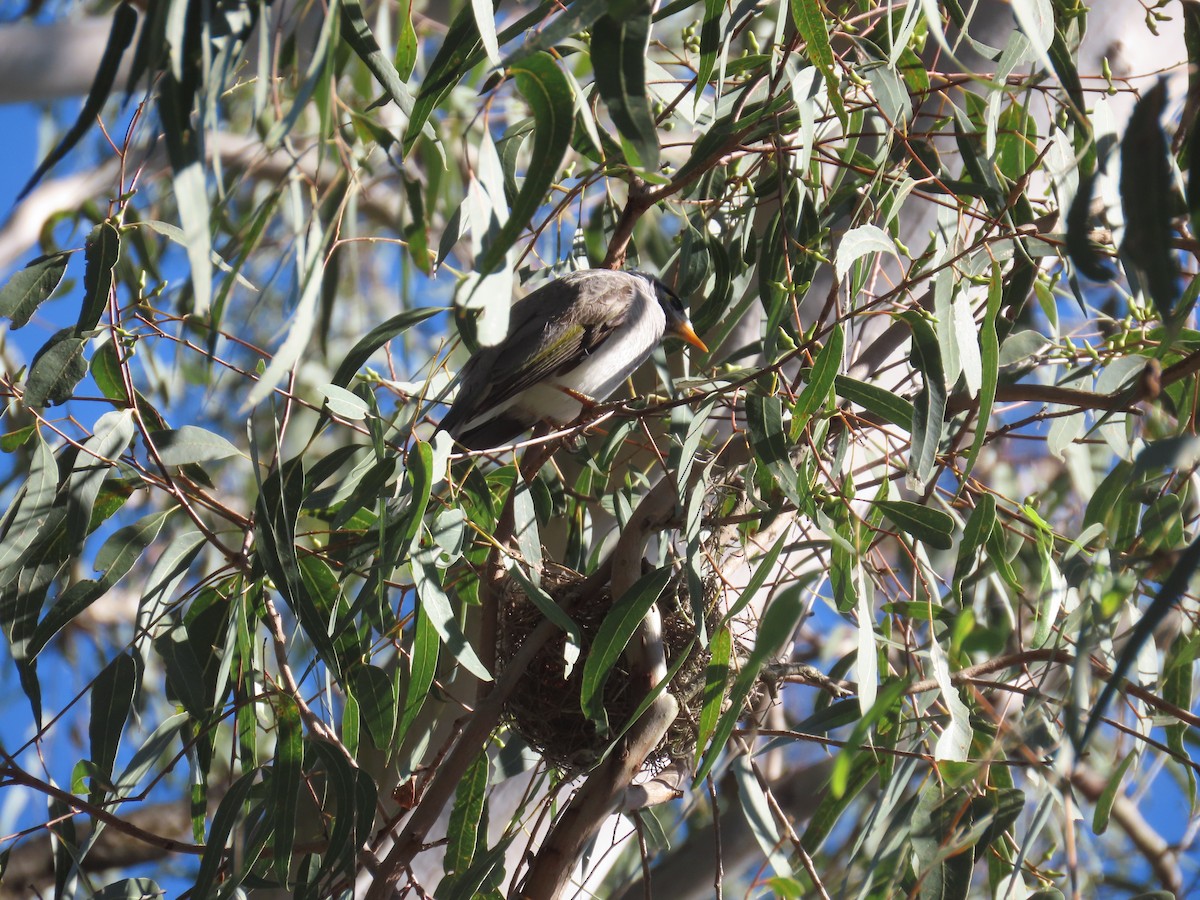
570	344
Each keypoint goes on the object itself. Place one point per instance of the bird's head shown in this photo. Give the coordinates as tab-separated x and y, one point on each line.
678	324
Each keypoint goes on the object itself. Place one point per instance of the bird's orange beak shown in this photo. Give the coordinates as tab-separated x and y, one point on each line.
684	331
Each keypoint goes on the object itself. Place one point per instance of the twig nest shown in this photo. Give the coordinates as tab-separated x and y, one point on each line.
545	706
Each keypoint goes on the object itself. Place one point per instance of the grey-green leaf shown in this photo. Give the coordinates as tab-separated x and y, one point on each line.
190	444
619	57
112	699
101	252
932	526
123	26
28	288
548	93
615	631
55	370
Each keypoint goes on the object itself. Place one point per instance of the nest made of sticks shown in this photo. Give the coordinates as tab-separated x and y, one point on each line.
545	709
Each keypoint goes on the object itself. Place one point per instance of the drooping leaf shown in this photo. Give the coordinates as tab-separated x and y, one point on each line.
613	636
810	22
111	435
357	33
190	444
55	370
820	382
112	700
184	149
764	418
376	338
1172	589
463	830
716	680
25	291
101	252
113	560
549	95
619	47
435	602
775	631
284	785
932	526
886	404
930	408
377	703
1146	192
228	814
304	319
123	26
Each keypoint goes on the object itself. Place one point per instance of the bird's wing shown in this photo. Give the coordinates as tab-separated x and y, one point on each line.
544	340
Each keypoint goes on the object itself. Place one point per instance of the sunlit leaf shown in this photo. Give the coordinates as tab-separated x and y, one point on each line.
27	288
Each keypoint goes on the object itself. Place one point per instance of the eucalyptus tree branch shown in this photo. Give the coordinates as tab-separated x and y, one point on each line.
600	794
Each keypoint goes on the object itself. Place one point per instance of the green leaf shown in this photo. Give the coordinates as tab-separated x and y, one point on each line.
763	569
29	287
377	703
989	358
810	22
376	338
549	95
283	788
354	797
185	671
619	48
764	419
1172	589
454	58
976	533
775	630
1147	197
406	46
820	382
31	508
55	370
101	252
106	372
546	605
112	434
716	679
931	526
190	444
228	813
863	770
112	700
1108	796
930	409
304	319
436	604
945	875
889	406
188	184
123	27
757	811
865	240
357	34
485	22
422	667
462	833
614	634
576	17
114	559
